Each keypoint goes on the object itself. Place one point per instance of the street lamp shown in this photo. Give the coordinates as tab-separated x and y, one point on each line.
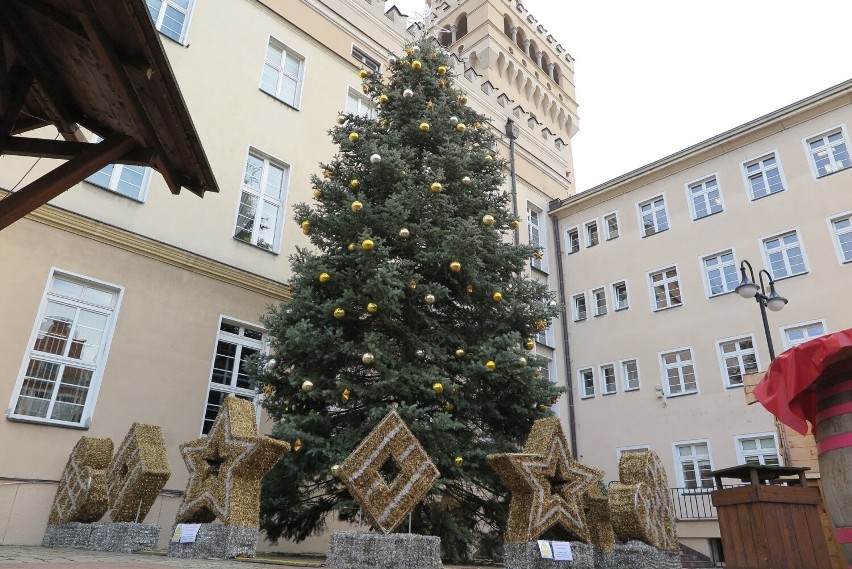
513	131
774	301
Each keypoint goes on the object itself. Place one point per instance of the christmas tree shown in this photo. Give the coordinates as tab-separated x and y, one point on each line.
413	298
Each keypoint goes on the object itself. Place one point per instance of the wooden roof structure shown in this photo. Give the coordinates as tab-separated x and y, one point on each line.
96	64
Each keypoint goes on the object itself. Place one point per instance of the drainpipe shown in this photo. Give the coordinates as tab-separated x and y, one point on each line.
572	420
512	131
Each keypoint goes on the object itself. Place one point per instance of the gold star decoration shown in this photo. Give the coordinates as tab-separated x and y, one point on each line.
82	492
137	473
226	467
547	485
388	473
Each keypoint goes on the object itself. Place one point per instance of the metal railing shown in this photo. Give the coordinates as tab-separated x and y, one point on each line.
693	503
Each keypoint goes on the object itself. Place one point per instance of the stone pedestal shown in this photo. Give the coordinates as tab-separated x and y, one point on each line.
630	555
217	541
362	550
121	537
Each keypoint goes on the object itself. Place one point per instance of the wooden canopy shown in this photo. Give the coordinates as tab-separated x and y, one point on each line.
97	64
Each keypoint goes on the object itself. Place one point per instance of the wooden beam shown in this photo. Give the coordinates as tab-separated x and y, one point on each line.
21	82
65	150
56	18
27	123
96	156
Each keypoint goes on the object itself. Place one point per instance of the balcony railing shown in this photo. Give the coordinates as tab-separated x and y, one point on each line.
694	503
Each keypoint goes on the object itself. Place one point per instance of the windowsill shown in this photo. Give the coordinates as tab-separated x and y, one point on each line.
628	390
110	190
718	294
173	40
708	215
548	346
46	422
572	252
264	249
729	386
620	309
580	320
601	314
542	270
609	393
282	101
663	309
587	397
790	276
682	394
592	245
833	173
775	193
612	238
645	236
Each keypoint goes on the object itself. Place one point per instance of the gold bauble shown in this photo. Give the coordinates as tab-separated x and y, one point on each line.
365	89
466	180
542	407
529	344
539	254
346	394
363	73
327	173
317	193
455	266
297	446
307	386
341	119
335	471
385	123
538	373
367	358
351	247
477	125
354	136
448	406
523	361
324	277
442	83
541	324
416	64
459	353
469	289
339	313
487	220
461	127
438	387
497	297
357	206
429	104
383	99
305	224
354	184
412	284
490	365
429	299
458	461
488	158
514	224
367	244
306	231
424	126
404	233
436	187
442	69
372	307
463	99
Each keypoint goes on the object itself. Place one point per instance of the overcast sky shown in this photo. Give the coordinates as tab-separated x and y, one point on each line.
655	77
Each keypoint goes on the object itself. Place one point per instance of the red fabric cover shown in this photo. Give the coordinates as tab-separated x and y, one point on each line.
784	390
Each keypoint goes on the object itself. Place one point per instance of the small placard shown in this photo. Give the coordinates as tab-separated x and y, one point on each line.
176	535
544	549
562	551
185	533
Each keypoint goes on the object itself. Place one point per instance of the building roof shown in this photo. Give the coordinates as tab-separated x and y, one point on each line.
97	65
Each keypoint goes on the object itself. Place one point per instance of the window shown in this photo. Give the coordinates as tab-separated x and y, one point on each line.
679	372
694	470
630	374
538	237
282	74
799	333
720	273
763	176
619	296
626	450
785	255
572	238
705	197
171	17
599	296
591	233
264	191
545	337
654	216
758	449
829	152
737	358
367	61
842	228
587	382
129	181
580	312
357	104
665	288
608	379
235	343
60	376
611	226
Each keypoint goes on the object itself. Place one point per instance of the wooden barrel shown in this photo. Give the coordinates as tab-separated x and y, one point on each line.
834	446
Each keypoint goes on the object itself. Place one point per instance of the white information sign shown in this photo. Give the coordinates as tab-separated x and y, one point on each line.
185	533
562	551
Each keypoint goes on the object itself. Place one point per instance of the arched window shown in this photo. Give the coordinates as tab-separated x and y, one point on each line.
557	74
545	64
446	38
461	26
520	39
507	26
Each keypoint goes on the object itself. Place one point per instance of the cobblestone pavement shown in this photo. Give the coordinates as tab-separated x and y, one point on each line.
16	556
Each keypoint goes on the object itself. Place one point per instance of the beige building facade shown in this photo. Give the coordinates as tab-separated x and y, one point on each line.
125	303
659	340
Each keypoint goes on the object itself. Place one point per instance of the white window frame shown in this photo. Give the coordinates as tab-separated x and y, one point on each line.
598	309
798	325
609	234
799	242
602	377
545	337
738	440
624	378
158	24
583	386
568	249
574	311
115	178
541	241
836	234
705	272
263	199
364	103
97	369
806	142
665	208
241	341
704	193
665	282
723	367
681	482
632	448
300	80
762	172
592	223
366	60
615	304
665	376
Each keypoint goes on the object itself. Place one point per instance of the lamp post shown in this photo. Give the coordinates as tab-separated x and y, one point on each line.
748	288
512	132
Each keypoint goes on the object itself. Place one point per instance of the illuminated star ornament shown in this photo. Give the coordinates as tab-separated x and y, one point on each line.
225	468
547	485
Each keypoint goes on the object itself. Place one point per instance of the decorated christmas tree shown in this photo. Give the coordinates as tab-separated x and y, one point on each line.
414	298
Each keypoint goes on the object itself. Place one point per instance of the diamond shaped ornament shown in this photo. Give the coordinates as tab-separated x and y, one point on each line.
388	473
